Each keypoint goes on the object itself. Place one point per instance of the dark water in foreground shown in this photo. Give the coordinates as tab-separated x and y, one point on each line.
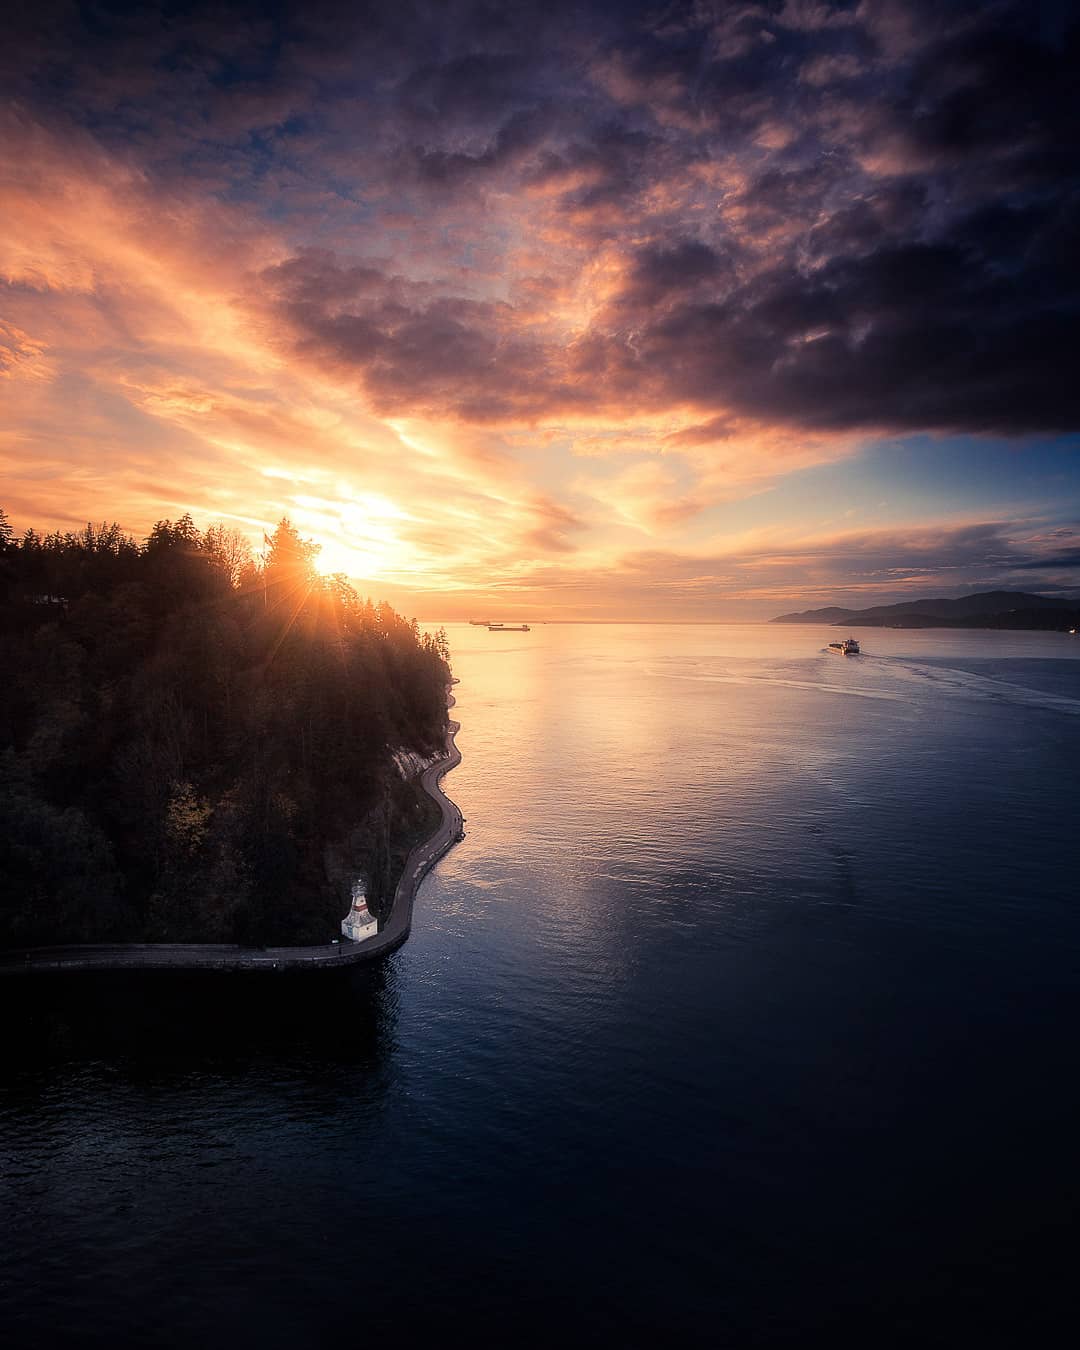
746	1014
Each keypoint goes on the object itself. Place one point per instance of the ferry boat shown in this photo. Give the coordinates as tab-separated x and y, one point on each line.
849	647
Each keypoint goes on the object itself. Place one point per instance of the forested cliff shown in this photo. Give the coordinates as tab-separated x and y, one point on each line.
197	745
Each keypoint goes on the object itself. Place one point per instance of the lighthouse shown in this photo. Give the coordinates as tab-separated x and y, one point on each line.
359	923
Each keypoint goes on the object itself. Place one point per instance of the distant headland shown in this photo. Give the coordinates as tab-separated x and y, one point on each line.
1016	610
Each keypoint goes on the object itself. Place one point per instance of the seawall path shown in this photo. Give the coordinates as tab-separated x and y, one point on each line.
226	957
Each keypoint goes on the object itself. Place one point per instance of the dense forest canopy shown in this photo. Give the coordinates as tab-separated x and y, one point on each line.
197	744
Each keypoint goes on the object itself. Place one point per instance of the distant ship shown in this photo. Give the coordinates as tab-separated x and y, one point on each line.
508	628
849	647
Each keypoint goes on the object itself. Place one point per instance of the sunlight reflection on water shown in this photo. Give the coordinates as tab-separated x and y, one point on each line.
732	968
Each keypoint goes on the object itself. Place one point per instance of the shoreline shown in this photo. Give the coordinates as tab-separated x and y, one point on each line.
226	958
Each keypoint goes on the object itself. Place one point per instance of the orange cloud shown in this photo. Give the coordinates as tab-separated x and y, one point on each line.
488	327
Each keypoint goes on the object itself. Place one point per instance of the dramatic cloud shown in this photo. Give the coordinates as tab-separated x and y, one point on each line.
590	273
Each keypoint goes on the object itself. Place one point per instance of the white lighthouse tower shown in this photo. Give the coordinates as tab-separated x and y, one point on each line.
359	923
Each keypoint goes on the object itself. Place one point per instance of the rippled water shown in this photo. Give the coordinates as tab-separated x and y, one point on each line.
745	1014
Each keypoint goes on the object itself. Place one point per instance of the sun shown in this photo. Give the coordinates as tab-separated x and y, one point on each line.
358	534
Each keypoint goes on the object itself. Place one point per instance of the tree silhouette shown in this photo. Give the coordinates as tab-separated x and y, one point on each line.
199	746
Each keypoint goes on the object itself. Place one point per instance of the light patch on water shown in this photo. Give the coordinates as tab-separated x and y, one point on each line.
816	686
984	688
948	680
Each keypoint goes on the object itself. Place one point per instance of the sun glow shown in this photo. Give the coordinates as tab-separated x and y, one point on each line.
653	340
361	561
356	533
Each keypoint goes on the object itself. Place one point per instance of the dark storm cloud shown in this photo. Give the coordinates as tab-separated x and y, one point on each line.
829	216
955	334
657	271
1069	559
414	348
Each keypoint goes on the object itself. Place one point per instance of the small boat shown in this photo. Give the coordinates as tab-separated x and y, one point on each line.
849	647
508	628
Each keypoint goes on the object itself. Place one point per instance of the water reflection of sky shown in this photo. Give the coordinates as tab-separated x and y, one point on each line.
771	982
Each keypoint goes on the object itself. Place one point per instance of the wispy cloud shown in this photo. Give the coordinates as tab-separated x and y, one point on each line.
555	283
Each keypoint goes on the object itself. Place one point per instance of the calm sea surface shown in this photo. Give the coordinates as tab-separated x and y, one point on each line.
746	1013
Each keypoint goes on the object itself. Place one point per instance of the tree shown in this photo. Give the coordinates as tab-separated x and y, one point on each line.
291	559
173	746
229	550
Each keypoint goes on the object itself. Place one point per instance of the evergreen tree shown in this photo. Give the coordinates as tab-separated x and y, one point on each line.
200	747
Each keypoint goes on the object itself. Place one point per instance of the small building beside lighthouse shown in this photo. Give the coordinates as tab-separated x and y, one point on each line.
359	923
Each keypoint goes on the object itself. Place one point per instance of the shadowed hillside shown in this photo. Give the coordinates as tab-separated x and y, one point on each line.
987	609
196	745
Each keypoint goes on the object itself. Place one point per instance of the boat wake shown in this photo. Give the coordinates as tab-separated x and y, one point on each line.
819	686
904	676
984	688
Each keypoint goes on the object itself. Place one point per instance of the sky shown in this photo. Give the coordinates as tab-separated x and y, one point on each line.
692	311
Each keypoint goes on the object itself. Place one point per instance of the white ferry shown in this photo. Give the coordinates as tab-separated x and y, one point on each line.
849	647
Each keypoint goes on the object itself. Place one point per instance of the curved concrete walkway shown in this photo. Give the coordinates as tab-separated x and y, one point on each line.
227	957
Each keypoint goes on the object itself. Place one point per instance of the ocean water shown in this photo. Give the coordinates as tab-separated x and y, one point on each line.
746	1014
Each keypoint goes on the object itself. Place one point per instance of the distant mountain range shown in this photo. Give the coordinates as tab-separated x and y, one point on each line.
988	609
